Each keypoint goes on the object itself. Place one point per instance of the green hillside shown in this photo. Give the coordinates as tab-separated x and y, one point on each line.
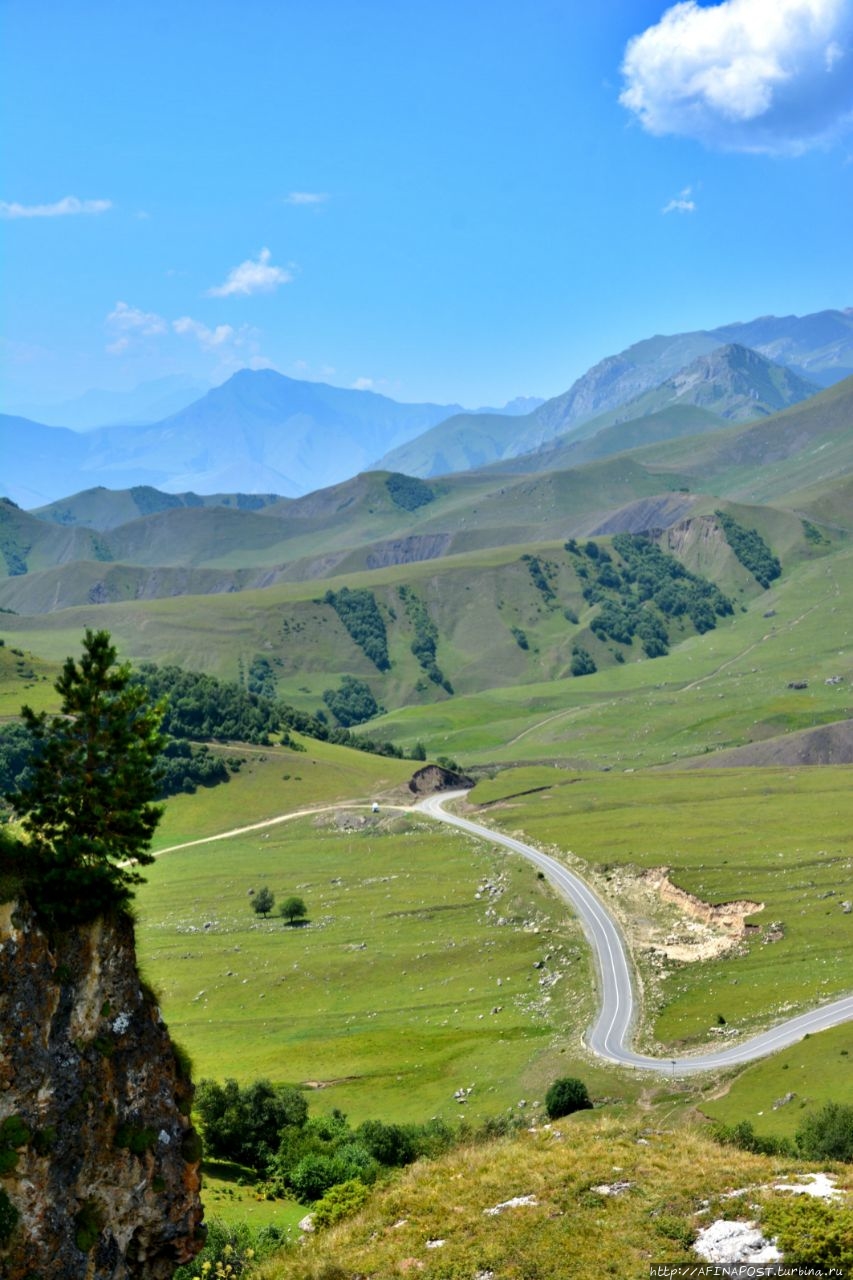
104	509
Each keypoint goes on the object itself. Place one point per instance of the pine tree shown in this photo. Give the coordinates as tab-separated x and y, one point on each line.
87	805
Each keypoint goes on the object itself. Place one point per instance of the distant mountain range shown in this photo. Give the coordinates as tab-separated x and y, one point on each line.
261	432
105	546
818	349
149	402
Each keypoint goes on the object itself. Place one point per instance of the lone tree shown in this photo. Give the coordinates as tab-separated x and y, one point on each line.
293	909
86	804
263	901
565	1096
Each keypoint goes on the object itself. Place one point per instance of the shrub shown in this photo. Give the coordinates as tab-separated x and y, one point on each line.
583	663
827	1134
340	1201
811	1233
566	1095
352	703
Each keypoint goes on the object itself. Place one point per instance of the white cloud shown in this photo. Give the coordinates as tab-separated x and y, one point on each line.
682	203
207	338
130	320
769	76
362	384
306	197
257	276
59	209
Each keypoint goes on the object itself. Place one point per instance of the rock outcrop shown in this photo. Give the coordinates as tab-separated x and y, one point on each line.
99	1164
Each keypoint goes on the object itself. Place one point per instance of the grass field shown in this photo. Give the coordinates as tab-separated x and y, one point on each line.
386	1001
777	837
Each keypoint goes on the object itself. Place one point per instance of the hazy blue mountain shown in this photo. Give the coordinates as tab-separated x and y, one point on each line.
819	346
729	384
149	402
258	432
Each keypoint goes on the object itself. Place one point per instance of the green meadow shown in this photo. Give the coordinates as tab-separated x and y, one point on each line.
414	977
777	837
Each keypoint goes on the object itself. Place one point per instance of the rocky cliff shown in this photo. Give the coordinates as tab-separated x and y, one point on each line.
99	1175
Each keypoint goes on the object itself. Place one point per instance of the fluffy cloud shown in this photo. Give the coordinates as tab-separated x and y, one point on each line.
682	203
363	384
258	276
772	76
306	197
208	339
128	321
60	209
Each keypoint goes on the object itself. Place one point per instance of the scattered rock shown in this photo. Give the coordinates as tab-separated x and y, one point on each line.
847	907
612	1188
783	1102
729	1243
307	1223
435	1244
820	1185
515	1203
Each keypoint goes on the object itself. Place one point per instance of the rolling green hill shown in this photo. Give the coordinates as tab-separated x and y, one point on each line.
105	509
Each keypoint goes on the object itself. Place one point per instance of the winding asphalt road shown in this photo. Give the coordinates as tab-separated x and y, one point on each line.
610	1033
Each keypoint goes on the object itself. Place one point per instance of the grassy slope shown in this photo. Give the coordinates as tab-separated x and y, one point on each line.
777	837
721	689
677	1183
388	993
310	648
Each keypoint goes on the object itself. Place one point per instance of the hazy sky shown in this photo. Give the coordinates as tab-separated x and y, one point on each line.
453	200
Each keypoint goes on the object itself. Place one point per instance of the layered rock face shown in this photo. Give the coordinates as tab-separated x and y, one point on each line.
99	1173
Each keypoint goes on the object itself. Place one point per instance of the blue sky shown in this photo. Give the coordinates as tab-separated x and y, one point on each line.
455	202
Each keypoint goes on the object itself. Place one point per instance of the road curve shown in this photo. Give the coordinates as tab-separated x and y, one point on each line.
610	1034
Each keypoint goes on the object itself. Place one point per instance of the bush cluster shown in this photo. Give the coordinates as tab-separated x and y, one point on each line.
644	593
408	492
425	643
267	1128
359	613
751	549
352	703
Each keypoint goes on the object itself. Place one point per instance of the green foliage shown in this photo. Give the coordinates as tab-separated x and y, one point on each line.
359	613
566	1095
8	1218
16	751
810	1232
751	549
236	1245
542	573
244	1124
425	643
352	703
262	681
86	805
827	1134
520	637
135	1138
812	534
88	1225
13	1134
263	901
339	1202
199	707
583	664
743	1136
293	909
651	588
408	492
182	768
